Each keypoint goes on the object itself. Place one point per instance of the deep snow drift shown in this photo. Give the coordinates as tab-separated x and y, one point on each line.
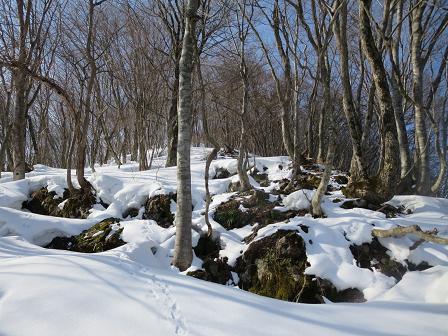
133	290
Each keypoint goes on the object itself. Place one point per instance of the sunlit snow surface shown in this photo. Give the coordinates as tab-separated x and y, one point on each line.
133	290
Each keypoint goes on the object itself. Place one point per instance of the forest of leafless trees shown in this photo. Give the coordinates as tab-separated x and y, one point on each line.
358	85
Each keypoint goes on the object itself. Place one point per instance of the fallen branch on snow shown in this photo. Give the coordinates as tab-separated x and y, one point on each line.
430	236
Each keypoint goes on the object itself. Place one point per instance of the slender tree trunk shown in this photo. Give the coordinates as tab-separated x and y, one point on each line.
183	254
19	134
20	82
423	173
172	127
316	207
242	173
358	170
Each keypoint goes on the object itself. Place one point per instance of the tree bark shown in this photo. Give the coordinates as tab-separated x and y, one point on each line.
421	137
382	187
183	254
316	208
172	127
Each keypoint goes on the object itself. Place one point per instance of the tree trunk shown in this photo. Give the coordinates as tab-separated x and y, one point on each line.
316	208
183	254
421	137
172	127
357	170
383	186
19	134
242	173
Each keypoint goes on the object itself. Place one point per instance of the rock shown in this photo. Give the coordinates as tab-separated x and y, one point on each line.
230	216
207	247
199	274
217	270
214	270
274	266
131	212
257	209
158	208
389	210
102	236
222	173
43	202
78	204
261	178
233	186
374	256
340	179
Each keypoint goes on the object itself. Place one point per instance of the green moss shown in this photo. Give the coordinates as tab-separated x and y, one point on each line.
158	208
100	237
230	216
278	277
43	202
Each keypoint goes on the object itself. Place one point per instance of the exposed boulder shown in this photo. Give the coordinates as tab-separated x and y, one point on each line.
102	236
274	266
207	247
230	216
250	209
72	205
260	177
158	208
374	256
130	212
43	202
222	173
78	203
340	179
389	210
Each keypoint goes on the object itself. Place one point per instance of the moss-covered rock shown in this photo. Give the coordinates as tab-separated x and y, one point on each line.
230	216
260	177
308	181
389	210
214	270
102	236
274	266
43	202
341	179
207	247
78	203
158	208
222	173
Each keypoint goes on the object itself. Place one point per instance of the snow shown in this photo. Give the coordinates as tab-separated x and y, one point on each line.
137	291
426	286
72	293
298	200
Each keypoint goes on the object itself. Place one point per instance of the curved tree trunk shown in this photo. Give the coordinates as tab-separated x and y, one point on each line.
383	186
316	208
183	254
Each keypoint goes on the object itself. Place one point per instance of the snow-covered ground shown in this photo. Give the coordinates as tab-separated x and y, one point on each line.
133	290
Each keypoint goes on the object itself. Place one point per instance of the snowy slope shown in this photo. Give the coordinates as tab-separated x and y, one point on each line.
133	290
46	292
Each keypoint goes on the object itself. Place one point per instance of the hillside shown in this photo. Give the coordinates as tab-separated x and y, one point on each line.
107	271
